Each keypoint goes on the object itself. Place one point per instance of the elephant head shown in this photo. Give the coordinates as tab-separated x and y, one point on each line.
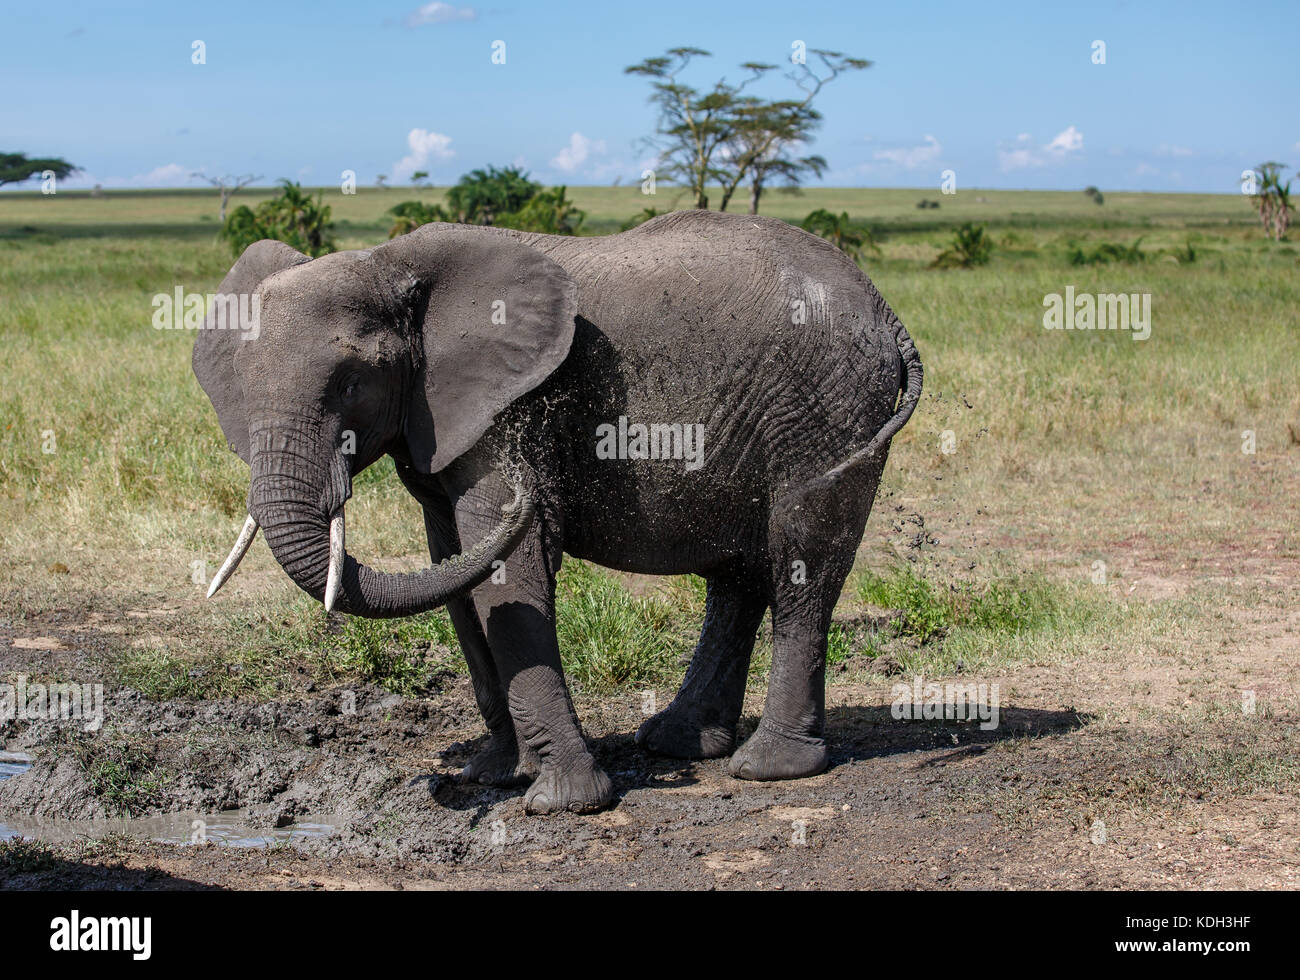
411	348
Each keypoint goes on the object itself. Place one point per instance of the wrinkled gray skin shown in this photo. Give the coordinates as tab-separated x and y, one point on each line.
768	336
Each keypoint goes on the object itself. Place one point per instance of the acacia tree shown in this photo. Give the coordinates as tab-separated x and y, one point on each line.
763	149
15	168
785	126
694	126
1273	199
727	136
228	186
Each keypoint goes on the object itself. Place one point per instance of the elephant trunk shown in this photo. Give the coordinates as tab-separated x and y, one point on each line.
298	490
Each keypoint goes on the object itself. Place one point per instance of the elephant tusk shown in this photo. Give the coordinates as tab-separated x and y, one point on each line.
338	551
237	553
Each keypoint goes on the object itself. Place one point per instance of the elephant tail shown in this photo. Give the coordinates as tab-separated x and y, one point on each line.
911	394
910	389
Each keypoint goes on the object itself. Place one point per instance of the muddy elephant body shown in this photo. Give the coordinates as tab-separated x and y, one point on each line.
706	393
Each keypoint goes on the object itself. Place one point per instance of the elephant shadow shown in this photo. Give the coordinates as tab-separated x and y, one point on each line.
858	732
854	733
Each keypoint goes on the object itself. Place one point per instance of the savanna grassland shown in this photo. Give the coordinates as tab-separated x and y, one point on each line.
1111	537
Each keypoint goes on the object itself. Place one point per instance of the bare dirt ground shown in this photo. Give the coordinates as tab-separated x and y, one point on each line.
1110	773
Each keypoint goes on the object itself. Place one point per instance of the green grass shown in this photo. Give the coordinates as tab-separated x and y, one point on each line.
936	622
403	656
610	638
21	856
929	611
120	770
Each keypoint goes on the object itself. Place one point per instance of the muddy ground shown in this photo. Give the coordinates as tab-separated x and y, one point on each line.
1101	775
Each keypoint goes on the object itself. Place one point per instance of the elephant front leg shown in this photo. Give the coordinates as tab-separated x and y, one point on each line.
517	613
505	760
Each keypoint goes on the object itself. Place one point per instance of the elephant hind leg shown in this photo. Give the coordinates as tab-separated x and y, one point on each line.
811	553
700	723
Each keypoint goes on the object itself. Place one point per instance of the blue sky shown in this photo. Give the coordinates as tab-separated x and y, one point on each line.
1190	93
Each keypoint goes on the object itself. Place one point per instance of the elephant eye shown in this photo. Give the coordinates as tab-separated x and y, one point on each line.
350	388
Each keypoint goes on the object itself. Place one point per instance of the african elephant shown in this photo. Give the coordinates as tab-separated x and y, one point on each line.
707	393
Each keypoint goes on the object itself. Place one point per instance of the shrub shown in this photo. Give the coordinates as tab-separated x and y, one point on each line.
548	212
292	217
1106	253
409	215
640	218
479	199
481	196
971	246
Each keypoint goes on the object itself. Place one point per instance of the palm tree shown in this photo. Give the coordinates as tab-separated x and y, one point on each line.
292	217
839	231
1273	199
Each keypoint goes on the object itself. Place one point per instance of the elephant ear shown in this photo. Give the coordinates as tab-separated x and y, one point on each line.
214	348
499	320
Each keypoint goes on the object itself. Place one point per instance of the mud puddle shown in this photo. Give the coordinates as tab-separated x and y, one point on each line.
233	828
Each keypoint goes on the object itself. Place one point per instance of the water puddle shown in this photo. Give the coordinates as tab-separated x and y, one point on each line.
12	763
232	828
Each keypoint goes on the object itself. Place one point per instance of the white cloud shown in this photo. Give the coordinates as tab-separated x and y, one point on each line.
439	13
425	147
912	157
1173	150
167	175
571	157
1066	141
1017	159
1023	154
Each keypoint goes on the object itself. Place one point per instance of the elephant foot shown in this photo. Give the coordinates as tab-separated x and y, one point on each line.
580	788
499	763
681	734
769	754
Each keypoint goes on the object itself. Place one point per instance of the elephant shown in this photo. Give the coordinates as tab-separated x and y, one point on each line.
706	393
